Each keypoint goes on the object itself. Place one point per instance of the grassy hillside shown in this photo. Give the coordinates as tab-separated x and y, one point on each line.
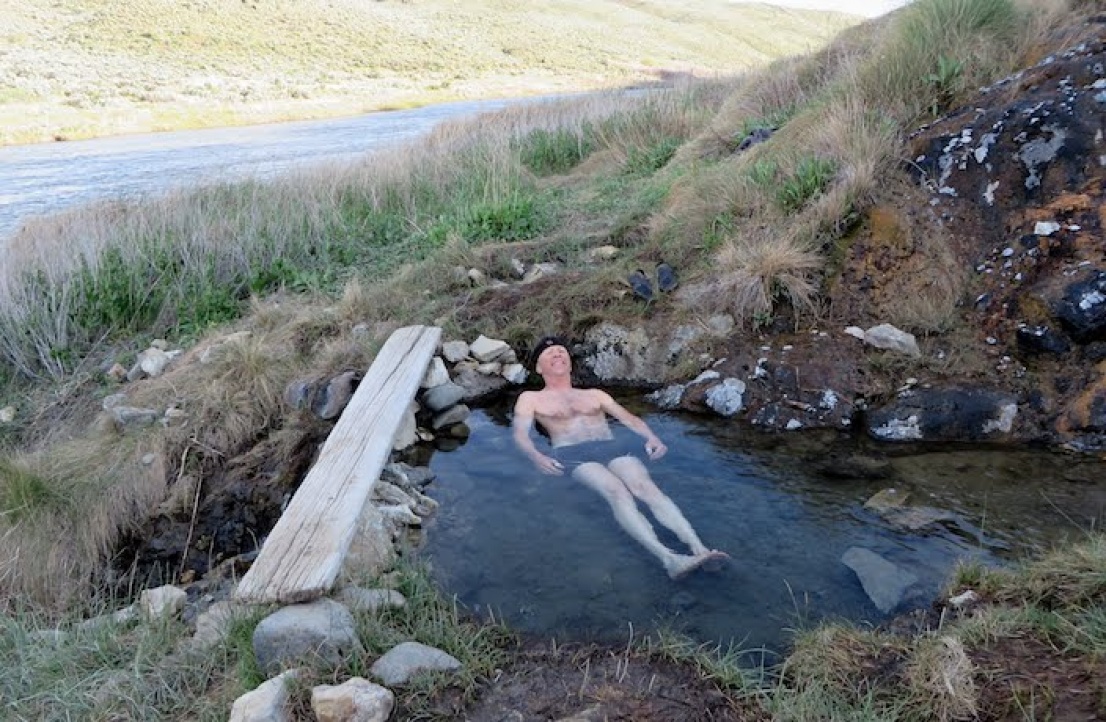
77	68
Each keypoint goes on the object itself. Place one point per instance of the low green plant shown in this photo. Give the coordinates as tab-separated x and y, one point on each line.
811	176
547	152
25	494
643	161
945	82
763	172
519	218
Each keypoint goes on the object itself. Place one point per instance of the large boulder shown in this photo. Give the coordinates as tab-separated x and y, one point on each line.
950	414
301	633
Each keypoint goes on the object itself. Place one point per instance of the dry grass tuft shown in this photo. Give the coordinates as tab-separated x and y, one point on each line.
755	274
941	681
70	510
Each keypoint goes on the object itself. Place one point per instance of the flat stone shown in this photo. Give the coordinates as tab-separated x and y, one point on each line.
405	660
884	582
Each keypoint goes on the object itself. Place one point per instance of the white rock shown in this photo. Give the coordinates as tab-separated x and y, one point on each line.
856	332
486	349
355	700
888	337
455	351
727	398
153	361
267	703
436	374
964	599
163	602
7	415
515	373
1045	228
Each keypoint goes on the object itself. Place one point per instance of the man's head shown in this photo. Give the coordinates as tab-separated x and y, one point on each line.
543	349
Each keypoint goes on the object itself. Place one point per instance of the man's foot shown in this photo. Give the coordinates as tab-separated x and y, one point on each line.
680	565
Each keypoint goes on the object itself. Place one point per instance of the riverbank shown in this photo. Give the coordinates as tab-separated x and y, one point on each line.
83	68
782	201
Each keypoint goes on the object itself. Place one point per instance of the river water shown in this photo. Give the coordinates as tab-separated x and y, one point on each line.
46	178
545	555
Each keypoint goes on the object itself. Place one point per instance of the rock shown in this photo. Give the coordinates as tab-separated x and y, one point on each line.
371	600
515	373
7	415
1082	310
477	385
964	600
1041	339
603	253
267	703
355	700
153	361
617	353
476	277
884	582
491	368
453	415
440	398
407	434
323	629
162	602
110	402
406	476
336	395
436	374
405	660
213	624
951	414
399	515
887	499
117	372
727	398
668	397
888	337
130	416
455	351
372	550
392	494
540	270
485	349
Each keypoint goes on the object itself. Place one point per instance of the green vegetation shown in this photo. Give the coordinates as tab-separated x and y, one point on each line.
140	670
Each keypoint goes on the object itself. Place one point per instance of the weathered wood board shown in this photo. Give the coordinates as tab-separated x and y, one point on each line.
303	554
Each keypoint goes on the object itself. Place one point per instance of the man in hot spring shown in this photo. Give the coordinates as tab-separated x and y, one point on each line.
585	447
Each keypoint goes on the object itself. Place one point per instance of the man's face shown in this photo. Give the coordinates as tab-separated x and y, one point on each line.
554	360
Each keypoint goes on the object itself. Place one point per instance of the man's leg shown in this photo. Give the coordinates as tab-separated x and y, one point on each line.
599	478
636	477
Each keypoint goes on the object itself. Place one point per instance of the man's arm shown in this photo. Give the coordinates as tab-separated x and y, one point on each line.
654	447
521	425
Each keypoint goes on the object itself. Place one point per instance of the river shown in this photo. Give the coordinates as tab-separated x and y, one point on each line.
46	178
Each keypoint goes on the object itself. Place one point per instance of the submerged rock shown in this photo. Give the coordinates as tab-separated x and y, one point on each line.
885	583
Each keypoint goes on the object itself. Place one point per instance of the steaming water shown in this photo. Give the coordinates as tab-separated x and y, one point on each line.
545	555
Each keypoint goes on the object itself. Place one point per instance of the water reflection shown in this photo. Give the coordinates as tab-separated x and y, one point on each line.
544	553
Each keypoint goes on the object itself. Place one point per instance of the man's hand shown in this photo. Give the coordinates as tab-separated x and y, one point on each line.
548	465
655	448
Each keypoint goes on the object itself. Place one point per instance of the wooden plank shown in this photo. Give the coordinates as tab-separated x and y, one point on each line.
302	556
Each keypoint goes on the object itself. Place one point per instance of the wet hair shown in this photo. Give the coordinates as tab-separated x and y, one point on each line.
544	343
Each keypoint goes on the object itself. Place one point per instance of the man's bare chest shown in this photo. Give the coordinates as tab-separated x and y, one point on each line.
568	406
